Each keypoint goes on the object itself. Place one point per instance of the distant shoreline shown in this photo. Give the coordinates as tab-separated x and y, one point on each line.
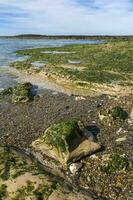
84	37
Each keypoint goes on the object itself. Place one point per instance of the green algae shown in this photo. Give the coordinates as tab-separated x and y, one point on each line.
118	113
116	163
61	135
3	191
43	192
110	62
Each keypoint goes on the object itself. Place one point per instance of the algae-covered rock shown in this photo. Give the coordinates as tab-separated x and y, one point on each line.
118	112
65	142
22	92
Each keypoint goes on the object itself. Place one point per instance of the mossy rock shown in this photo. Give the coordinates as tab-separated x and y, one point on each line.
22	92
65	142
118	113
61	136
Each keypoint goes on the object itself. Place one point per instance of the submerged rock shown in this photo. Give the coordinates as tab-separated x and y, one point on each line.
65	142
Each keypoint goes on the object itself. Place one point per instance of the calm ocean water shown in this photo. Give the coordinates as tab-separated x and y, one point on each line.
9	46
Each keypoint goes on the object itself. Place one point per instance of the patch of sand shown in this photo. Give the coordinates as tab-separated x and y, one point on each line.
14	184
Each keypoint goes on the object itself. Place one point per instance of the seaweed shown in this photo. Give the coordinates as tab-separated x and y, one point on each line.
118	112
59	136
116	163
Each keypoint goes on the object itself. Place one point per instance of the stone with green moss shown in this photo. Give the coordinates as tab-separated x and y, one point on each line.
22	92
65	142
60	136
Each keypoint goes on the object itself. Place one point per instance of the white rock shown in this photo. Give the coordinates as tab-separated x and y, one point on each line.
79	98
129	121
101	117
74	167
94	156
121	139
119	131
88	179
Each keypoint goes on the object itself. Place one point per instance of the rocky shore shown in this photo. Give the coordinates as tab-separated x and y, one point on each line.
108	172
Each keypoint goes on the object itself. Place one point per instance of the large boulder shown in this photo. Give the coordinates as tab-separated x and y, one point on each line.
65	142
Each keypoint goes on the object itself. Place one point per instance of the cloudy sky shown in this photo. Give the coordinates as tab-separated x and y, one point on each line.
86	17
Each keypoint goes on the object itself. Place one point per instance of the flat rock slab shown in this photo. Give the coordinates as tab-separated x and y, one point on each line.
85	148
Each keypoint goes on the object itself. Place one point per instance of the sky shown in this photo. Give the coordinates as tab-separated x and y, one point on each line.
66	17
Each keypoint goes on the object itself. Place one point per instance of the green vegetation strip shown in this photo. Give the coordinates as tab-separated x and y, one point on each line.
110	62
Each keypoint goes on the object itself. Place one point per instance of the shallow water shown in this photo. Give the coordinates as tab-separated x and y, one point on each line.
58	52
6	80
9	46
38	64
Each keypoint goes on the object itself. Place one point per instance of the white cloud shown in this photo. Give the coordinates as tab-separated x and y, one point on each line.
67	17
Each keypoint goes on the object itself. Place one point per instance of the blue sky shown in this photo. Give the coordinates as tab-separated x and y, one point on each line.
86	17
